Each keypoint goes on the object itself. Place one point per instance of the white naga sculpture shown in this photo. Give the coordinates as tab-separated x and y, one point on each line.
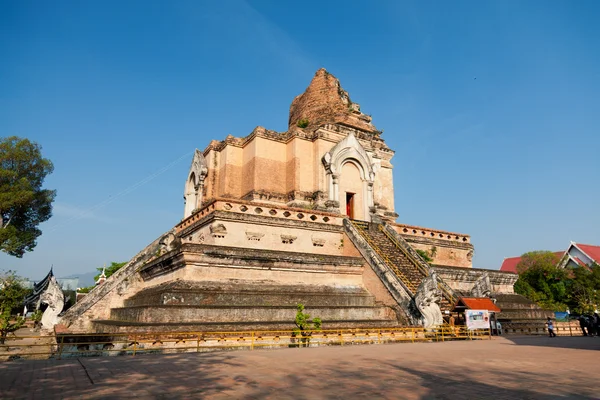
169	242
55	299
426	299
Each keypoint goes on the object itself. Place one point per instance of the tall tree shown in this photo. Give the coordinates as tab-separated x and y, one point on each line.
541	280
583	289
23	202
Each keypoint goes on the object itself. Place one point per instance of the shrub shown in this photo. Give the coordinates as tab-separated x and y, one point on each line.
304	325
302	123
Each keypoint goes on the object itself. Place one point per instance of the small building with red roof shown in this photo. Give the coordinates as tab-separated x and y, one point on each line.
581	255
510	264
477	303
576	255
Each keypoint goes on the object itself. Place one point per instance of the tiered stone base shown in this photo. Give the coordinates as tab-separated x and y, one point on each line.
235	306
518	311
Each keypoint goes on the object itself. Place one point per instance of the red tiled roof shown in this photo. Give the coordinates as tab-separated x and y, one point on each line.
479	303
559	254
510	264
592	251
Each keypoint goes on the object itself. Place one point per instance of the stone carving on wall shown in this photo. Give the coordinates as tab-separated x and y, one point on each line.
254	236
55	299
482	287
332	205
288	239
218	230
169	299
194	186
318	242
427	301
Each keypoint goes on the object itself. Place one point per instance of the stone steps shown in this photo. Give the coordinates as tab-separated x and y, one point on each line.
385	247
247	298
519	309
388	250
113	326
514	313
227	314
243	305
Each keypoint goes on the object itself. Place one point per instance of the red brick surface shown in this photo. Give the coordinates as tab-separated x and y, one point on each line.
513	368
325	101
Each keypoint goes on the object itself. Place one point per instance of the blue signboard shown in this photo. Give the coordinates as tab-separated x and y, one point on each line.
561	316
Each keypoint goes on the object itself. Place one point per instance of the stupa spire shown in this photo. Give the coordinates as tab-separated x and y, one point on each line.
325	101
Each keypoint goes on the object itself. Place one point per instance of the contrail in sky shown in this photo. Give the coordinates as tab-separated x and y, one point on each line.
122	193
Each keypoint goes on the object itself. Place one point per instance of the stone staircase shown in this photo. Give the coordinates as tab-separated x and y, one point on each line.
399	260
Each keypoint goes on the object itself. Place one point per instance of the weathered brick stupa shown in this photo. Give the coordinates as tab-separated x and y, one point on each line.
280	218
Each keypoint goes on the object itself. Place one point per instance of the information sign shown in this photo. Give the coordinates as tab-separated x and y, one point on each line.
477	319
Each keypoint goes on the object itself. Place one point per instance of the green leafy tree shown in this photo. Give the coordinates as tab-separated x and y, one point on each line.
111	269
542	281
12	294
304	326
23	202
583	289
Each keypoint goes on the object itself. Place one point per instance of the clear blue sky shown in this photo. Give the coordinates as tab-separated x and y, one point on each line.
492	107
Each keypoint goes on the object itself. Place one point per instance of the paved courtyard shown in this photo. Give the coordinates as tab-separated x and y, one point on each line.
513	368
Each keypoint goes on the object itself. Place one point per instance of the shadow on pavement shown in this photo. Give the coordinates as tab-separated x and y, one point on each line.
480	370
146	376
566	342
463	384
394	381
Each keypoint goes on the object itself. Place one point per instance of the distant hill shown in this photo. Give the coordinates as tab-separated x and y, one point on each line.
85	279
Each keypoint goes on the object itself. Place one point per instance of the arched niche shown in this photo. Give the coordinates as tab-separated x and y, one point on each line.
194	185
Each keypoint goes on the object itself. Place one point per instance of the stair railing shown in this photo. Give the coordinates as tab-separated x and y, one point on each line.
443	286
360	227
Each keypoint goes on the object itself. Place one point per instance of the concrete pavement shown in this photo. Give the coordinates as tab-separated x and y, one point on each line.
502	368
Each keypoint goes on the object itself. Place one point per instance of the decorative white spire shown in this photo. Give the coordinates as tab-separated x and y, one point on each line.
102	276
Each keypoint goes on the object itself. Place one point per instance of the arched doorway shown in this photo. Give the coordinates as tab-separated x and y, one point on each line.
351	189
350	176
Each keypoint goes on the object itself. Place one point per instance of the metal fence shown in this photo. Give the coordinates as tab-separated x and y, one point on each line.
107	344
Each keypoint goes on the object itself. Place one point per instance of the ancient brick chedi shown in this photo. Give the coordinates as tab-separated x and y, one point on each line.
330	149
279	218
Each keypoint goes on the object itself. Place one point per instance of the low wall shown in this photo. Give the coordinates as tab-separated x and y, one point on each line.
560	328
445	248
